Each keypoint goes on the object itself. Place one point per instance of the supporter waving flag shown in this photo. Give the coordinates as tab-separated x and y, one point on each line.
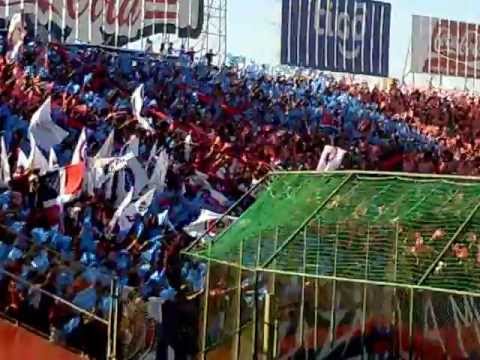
16	35
46	133
52	160
63	184
80	152
5	174
36	160
137	105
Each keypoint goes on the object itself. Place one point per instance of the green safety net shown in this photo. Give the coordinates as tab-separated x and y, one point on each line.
382	228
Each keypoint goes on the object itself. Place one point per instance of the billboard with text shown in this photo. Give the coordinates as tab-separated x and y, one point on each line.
106	22
445	47
350	36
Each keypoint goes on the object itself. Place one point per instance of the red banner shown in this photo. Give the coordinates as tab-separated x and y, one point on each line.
445	47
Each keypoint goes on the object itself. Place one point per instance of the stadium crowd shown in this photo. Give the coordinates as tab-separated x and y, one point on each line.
201	138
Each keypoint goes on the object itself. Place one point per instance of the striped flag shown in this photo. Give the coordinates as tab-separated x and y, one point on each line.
61	185
80	152
162	10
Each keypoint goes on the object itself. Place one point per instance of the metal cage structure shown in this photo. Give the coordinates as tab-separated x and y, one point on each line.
345	265
215	34
128	24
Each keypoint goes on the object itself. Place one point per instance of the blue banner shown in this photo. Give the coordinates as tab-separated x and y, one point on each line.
350	36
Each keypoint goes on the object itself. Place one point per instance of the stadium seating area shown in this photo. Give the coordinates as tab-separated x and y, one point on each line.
203	136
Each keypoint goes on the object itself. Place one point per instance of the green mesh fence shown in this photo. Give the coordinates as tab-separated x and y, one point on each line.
369	227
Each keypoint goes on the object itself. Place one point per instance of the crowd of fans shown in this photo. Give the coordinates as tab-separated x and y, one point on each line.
219	131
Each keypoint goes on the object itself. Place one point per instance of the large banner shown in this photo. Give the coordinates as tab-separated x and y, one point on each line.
106	22
338	35
446	47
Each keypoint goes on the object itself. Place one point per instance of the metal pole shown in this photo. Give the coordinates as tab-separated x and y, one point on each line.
269	329
334	290
275	339
110	321
396	321
142	27
317	263
381	175
115	318
410	326
55	297
117	22
239	303
205	304
256	305
405	66
364	305
302	300
225	49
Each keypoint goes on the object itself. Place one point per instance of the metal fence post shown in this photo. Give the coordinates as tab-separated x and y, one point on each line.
302	300
256	302
364	305
334	290
239	304
315	310
205	304
410	326
116	317
113	320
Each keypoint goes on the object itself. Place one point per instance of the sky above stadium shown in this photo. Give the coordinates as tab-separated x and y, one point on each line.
254	26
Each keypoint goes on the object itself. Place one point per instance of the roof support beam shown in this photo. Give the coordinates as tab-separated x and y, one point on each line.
455	236
307	220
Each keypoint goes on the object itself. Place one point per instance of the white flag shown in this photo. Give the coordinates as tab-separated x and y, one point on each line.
127	218
199	226
331	159
144	202
132	145
109	186
137	105
52	160
121	208
22	160
36	160
153	153
202	179
16	35
16	30
160	171
47	134
107	148
13	56
139	174
80	152
121	182
114	163
5	175
188	147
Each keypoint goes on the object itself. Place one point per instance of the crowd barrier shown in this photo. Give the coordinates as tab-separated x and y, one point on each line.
126	330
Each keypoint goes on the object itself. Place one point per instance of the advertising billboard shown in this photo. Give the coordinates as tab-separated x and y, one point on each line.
106	22
445	47
350	36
